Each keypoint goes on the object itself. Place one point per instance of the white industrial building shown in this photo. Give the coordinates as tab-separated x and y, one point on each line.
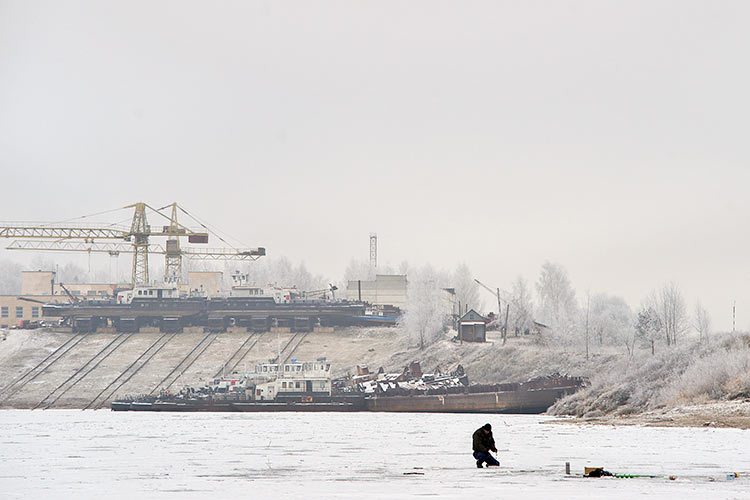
385	289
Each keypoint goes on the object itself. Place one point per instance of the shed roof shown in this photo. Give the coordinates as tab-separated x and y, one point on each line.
472	315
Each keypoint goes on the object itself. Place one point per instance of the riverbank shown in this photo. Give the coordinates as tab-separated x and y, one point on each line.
689	385
719	414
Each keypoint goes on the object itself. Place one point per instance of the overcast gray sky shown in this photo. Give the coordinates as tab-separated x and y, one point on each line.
610	137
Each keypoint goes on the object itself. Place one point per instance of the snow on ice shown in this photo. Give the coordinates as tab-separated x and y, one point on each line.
73	454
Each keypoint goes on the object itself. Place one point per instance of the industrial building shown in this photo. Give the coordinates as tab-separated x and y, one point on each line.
384	290
41	287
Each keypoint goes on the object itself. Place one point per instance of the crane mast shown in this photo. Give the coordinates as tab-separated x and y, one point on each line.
139	231
173	257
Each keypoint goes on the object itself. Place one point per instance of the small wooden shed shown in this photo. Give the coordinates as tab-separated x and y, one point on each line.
472	327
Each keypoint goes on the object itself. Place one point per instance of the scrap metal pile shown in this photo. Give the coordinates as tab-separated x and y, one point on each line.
411	381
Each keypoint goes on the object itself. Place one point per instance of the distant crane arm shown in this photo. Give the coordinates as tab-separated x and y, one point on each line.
154	248
485	286
77	246
63	237
63	233
223	253
496	292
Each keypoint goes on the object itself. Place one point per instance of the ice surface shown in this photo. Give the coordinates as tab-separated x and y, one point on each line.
60	454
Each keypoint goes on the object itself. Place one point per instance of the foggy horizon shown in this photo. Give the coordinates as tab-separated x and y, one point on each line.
602	136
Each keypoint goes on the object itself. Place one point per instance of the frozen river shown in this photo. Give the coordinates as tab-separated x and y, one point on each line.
86	454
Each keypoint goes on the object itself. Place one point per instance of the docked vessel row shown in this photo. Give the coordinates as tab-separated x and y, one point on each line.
255	309
309	387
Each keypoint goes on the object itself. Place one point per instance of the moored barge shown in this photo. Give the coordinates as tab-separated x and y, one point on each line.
308	387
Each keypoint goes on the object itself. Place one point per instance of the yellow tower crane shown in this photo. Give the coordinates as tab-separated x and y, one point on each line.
115	239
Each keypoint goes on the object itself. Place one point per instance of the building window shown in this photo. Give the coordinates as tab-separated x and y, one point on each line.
76	292
35	312
283	385
19	312
296	385
91	292
4	311
322	384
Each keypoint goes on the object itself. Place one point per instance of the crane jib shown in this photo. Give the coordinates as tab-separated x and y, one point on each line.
132	240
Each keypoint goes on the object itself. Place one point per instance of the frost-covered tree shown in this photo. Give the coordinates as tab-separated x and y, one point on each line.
610	315
279	271
611	321
670	304
701	321
42	262
425	317
467	291
403	268
72	273
359	269
557	299
10	277
521	311
649	326
69	271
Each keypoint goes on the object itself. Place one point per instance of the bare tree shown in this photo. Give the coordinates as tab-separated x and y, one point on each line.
610	316
10	278
359	269
425	316
279	271
701	321
557	299
72	273
521	307
466	288
612	321
403	268
670	304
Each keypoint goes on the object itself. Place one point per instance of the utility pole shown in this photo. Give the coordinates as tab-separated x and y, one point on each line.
505	326
734	315
499	307
458	325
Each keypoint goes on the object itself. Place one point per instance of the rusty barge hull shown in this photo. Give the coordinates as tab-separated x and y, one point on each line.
524	401
530	401
321	404
235	406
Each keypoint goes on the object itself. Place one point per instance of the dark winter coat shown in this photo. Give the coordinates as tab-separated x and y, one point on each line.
483	441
